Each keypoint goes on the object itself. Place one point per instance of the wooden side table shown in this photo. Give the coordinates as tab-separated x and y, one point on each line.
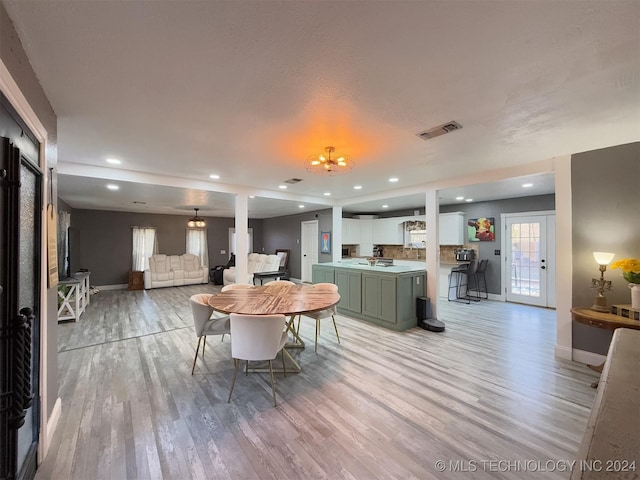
136	280
607	321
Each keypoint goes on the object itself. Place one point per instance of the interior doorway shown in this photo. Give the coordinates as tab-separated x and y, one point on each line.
529	268
308	248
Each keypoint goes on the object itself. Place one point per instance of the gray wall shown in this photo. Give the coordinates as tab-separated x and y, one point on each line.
494	209
606	217
106	240
284	232
16	61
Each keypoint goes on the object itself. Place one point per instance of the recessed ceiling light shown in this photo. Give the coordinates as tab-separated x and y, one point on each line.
393	179
300	206
282	187
113	161
358	187
252	196
385	206
469	200
327	194
459	198
214	176
111	186
527	185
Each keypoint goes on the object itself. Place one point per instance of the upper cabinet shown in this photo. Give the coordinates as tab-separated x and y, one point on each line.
350	231
388	231
451	231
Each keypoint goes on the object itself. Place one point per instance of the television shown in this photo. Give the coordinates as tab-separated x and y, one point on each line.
72	252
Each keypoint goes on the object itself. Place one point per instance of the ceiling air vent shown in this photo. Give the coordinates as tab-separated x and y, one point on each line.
439	130
293	181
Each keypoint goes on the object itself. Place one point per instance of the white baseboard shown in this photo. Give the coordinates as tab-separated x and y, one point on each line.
47	434
563	353
121	286
496	297
588	358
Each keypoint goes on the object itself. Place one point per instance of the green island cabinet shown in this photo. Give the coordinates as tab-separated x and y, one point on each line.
385	296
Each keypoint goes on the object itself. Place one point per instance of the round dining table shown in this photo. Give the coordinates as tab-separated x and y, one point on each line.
272	299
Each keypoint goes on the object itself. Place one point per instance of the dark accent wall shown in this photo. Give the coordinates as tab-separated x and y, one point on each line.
105	240
494	209
605	217
18	65
284	232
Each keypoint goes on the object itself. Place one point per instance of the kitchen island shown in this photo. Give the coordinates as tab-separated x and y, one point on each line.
384	295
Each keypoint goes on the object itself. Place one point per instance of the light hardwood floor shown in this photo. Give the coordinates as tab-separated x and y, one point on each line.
382	405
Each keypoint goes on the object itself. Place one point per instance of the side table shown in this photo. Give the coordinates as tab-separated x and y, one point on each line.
136	280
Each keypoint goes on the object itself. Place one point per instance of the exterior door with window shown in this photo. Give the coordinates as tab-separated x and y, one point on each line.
530	259
20	309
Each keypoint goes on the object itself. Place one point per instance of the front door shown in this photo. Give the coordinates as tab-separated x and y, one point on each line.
530	259
20	309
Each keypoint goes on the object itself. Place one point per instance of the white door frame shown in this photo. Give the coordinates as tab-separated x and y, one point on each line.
308	248
549	255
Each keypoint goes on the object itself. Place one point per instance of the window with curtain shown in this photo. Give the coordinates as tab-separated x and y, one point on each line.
197	244
144	245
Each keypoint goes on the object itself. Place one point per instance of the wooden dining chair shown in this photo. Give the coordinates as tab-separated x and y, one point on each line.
257	338
318	316
206	322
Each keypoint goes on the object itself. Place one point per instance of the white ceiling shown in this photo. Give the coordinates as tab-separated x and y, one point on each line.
247	90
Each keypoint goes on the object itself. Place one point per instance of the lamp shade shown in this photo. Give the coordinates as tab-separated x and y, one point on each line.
603	258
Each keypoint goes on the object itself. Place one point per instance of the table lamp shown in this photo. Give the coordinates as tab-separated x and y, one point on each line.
603	259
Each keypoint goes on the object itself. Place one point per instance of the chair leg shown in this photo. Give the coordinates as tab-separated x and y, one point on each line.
335	327
317	332
235	374
284	366
246	369
196	357
204	345
222	339
273	387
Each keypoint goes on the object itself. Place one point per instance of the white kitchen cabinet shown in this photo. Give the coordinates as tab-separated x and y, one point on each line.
350	231
388	231
451	228
366	230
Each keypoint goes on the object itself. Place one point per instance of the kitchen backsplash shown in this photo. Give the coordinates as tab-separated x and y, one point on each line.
447	252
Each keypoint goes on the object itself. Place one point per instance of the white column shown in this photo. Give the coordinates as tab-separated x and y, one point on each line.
242	238
564	259
432	251
336	240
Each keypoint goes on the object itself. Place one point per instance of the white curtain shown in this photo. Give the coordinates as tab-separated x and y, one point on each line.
144	245
197	244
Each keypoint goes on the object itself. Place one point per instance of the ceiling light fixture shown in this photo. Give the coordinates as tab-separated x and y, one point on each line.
196	222
325	164
111	186
357	187
327	194
300	206
282	187
113	161
393	179
214	176
459	198
385	206
469	200
527	185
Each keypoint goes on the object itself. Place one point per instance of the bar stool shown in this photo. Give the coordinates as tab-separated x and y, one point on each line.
464	274
482	267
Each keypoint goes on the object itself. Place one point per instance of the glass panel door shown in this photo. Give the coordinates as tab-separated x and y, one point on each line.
526	260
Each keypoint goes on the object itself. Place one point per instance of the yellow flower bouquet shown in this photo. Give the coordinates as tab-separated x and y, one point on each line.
630	269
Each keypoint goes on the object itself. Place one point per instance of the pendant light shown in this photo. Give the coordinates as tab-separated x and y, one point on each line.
196	222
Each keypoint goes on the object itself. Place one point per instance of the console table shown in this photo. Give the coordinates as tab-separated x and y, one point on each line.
73	296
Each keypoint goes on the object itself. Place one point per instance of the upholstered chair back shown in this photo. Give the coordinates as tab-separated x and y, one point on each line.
201	311
256	337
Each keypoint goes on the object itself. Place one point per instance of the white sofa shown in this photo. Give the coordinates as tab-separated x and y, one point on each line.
256	262
175	270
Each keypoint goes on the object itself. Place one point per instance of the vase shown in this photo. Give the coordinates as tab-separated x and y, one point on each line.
635	295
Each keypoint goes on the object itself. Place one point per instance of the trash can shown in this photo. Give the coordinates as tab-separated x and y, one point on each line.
423	312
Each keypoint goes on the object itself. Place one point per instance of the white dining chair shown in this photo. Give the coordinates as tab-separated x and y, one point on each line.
329	312
257	338
276	283
206	322
236	286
